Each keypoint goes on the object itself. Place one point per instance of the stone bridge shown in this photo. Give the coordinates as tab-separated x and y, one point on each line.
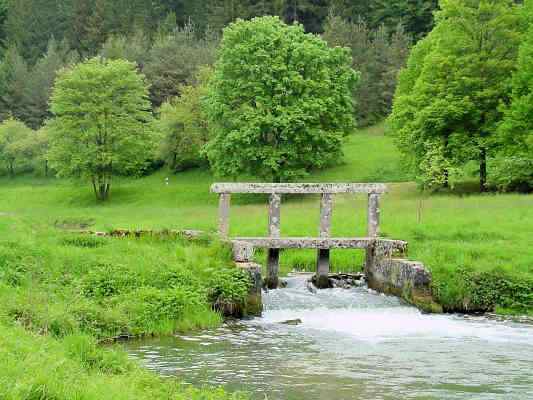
385	271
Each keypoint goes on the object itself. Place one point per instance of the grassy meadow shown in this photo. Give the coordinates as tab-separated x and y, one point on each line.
454	234
61	293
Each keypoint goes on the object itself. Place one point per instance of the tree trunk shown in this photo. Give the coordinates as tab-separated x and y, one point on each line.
483	170
101	185
46	168
11	169
446	174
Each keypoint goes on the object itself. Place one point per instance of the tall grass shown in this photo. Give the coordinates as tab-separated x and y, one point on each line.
39	367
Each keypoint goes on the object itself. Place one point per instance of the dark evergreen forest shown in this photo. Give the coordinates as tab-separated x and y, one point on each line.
170	39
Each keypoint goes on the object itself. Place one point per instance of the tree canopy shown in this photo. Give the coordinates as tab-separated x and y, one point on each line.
102	124
516	129
15	143
279	101
447	105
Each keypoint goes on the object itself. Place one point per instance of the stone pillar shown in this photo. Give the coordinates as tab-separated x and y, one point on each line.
254	301
223	214
274	216
373	215
372	228
322	265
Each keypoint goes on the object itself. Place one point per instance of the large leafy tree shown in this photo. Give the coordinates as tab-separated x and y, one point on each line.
279	102
516	130
447	104
102	122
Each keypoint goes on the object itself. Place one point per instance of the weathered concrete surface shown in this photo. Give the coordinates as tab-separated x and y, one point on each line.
188	234
242	251
307	242
274	215
298	188
409	280
373	215
254	302
223	214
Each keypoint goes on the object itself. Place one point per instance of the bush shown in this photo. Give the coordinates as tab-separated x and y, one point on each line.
467	290
513	174
106	280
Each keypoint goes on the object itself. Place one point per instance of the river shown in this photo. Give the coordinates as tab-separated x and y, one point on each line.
351	344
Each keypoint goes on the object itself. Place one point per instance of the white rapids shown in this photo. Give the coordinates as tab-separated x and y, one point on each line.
352	344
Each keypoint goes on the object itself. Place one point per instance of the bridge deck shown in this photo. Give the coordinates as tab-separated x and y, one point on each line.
307	242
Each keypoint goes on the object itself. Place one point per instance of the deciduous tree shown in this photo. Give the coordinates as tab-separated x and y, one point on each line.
515	161
14	140
461	77
102	122
184	127
279	102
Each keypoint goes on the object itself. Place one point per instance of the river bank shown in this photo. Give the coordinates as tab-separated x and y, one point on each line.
63	295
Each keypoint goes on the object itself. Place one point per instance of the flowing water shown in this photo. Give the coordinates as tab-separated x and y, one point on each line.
351	344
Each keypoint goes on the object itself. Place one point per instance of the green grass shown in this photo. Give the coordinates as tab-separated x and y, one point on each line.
39	367
65	287
62	293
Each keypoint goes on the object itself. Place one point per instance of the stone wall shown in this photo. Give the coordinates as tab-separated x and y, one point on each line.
409	280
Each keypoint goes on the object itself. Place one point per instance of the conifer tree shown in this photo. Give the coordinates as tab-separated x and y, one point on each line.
13	81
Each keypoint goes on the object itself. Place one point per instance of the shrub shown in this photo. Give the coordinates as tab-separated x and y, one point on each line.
513	174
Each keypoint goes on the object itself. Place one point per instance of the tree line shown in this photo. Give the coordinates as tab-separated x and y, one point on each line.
272	89
86	24
176	63
460	105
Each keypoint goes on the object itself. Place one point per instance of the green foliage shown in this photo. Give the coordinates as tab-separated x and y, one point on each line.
41	79
3	16
15	144
37	367
134	48
513	173
378	54
13	81
279	102
229	285
102	122
450	93
415	15
184	128
174	60
515	167
484	291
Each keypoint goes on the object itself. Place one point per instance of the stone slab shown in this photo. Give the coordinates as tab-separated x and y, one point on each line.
298	188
